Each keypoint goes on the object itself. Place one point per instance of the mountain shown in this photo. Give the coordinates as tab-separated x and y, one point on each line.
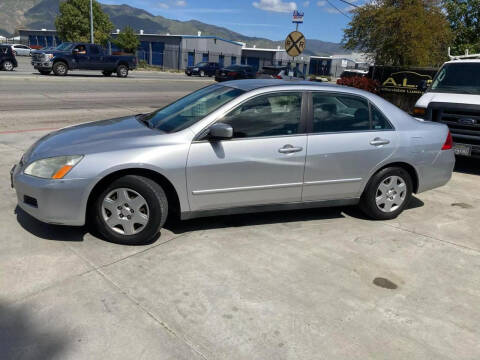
40	14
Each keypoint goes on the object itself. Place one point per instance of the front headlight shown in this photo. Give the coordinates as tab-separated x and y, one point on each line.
195	69
54	167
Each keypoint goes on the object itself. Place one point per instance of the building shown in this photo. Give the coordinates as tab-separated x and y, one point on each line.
334	65
179	51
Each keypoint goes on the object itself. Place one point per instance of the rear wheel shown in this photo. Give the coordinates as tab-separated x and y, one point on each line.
131	210
122	71
7	65
387	194
45	72
60	68
107	73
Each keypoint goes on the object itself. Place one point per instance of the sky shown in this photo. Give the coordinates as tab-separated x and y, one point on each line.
263	18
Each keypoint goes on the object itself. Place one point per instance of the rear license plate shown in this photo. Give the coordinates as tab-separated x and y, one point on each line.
462	149
223	74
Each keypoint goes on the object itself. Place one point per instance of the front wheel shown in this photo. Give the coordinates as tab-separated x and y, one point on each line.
122	71
202	73
387	194
7	65
60	68
131	210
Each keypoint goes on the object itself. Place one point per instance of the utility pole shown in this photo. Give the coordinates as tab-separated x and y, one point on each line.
91	22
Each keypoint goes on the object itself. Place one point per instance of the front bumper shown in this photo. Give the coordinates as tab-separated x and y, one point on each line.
61	202
42	65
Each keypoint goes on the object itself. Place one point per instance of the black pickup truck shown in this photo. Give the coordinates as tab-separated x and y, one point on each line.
81	56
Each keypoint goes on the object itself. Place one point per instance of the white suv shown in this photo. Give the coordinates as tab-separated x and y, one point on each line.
453	98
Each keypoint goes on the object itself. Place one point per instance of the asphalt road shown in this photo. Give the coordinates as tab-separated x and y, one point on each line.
312	284
29	100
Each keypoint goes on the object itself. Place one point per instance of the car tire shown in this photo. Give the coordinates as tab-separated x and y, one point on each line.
7	65
107	73
122	71
387	194
60	68
138	197
45	72
202	73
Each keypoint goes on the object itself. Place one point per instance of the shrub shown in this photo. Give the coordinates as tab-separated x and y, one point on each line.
360	82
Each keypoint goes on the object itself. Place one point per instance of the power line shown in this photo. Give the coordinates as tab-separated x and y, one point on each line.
336	8
349	3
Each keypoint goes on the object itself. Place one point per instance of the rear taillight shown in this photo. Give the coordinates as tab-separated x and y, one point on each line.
233	73
278	77
448	143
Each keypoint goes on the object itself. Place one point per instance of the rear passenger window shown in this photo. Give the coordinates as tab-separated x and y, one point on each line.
337	113
379	121
267	115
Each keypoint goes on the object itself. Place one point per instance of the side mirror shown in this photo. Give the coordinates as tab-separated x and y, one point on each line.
422	85
220	131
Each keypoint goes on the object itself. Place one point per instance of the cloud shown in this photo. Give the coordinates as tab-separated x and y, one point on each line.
306	3
275	5
321	3
181	3
161	5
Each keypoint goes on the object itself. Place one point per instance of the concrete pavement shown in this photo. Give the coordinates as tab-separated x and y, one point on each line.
282	285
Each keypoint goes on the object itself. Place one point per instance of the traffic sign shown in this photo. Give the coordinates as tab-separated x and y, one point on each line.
295	43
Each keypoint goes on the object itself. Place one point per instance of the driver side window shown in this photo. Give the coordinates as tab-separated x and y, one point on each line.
273	114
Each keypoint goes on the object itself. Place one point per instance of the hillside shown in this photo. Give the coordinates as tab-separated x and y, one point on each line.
38	14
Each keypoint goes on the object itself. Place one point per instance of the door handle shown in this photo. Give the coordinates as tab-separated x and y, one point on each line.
378	141
288	149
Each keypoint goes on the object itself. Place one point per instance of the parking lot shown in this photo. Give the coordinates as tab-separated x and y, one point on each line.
310	284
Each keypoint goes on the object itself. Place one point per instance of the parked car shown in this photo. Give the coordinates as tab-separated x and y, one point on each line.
234	147
203	68
349	73
235	72
7	58
270	71
21	50
290	74
81	56
453	98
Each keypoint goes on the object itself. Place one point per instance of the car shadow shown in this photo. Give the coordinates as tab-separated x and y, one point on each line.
467	166
178	226
73	75
355	212
23	338
49	231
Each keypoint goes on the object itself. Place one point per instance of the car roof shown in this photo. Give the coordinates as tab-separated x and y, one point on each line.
457	61
252	84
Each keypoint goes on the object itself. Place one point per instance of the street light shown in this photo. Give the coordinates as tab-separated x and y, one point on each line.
91	22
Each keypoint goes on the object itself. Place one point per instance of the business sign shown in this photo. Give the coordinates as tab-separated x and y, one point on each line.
295	43
401	81
297	17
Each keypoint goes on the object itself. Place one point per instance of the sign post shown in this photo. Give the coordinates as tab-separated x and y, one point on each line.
295	41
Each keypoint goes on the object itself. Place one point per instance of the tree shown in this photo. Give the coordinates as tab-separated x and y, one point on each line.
73	22
464	19
127	40
400	32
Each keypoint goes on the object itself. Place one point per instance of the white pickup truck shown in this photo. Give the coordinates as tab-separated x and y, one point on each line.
453	98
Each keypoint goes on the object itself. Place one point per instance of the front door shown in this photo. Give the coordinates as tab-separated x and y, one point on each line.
262	164
82	57
349	138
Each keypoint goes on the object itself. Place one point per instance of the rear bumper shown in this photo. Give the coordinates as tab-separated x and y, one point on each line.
438	173
60	202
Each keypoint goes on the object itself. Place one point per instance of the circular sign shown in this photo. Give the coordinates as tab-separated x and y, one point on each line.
295	43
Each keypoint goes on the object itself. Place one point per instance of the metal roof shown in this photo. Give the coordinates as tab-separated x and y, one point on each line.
252	84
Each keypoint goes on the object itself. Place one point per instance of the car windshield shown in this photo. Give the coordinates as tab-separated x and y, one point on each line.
459	78
191	108
201	64
65	46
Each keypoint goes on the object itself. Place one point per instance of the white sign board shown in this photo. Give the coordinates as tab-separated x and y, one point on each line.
344	63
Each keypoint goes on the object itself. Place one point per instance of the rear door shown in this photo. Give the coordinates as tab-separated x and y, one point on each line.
348	138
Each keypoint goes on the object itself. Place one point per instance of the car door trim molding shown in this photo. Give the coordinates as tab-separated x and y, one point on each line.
336	181
245	188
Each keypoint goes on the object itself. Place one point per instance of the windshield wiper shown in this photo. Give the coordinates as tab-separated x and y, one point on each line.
143	118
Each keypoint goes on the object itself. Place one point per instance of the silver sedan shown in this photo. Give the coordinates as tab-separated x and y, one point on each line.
240	146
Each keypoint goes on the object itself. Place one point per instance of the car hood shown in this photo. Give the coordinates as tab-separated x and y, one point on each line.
430	96
94	137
